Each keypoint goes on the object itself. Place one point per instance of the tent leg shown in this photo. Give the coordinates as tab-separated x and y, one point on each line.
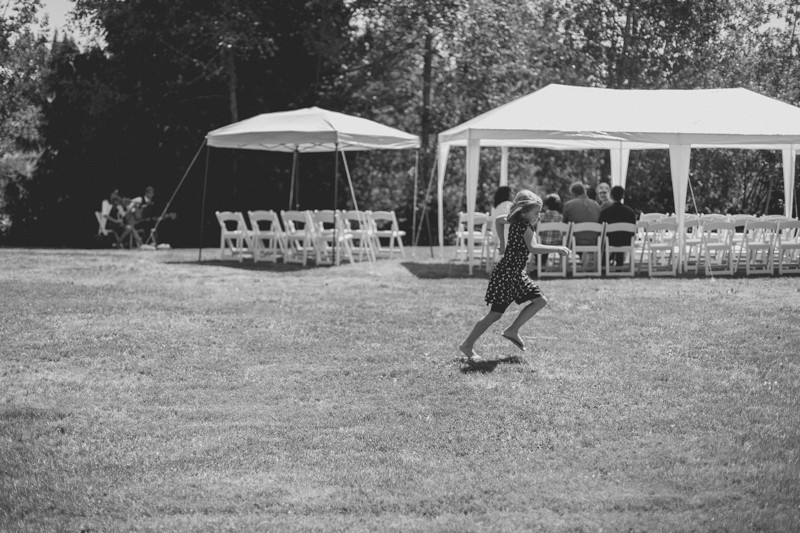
414	210
293	180
335	199
203	205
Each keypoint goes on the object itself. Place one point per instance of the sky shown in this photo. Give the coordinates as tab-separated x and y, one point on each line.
57	11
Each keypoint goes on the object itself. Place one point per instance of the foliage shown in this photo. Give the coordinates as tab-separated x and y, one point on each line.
132	111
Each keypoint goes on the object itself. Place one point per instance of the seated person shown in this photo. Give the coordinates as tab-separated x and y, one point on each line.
139	217
603	195
618	212
582	209
551	213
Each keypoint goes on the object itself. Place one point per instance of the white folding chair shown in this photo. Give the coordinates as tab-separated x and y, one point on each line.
738	237
759	238
717	249
331	239
266	235
651	217
692	238
661	247
358	227
479	230
102	217
627	250
787	249
588	254
556	265
384	225
234	237
299	236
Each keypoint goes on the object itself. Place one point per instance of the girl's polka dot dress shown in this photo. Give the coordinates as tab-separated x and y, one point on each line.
509	281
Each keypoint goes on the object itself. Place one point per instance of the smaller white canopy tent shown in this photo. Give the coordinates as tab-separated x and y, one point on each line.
310	130
303	131
560	117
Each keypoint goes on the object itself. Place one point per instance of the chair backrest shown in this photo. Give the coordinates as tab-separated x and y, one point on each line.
355	220
480	221
774	217
294	221
719	231
264	221
382	219
789	230
651	217
741	220
231	221
662	232
326	219
563	228
760	230
587	233
621	228
713	217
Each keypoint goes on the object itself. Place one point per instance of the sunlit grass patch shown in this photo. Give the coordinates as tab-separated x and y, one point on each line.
146	391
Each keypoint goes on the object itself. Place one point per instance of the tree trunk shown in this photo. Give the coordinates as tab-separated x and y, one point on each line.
426	159
230	64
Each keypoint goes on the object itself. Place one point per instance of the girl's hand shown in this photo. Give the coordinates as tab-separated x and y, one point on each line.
501	248
563	250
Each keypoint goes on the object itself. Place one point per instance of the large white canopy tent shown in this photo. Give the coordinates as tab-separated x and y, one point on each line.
305	131
561	117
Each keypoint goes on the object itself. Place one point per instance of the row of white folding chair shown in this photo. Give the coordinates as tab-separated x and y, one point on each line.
763	243
309	232
587	257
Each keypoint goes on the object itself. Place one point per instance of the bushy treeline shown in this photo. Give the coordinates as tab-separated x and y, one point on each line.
79	121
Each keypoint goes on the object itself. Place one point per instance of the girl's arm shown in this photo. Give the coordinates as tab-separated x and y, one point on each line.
535	248
499	230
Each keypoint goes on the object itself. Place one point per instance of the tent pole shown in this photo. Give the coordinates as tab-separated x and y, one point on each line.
349	181
335	199
294	173
203	205
166	207
414	214
425	211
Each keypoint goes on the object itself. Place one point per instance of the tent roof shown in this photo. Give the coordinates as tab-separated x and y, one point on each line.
310	130
562	117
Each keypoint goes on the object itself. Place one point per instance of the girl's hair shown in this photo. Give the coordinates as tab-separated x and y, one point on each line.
523	202
502	194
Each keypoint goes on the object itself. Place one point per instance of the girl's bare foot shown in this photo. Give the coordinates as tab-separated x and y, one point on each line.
515	339
469	353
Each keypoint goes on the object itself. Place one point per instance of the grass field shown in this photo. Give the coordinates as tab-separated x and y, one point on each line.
145	391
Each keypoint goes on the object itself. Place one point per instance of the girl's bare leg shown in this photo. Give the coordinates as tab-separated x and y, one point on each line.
468	346
525	314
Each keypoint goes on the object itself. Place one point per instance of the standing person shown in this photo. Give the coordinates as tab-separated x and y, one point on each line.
618	212
509	282
603	195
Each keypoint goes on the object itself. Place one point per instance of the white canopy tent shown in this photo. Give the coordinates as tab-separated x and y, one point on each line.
560	117
305	131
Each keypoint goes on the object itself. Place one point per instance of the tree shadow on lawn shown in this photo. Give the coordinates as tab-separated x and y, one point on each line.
249	265
444	270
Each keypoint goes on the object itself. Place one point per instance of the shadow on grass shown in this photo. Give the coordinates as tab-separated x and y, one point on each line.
249	265
444	270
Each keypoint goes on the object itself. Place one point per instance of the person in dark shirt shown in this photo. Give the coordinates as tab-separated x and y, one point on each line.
618	212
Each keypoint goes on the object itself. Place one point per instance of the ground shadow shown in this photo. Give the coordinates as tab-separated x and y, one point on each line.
249	265
444	270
